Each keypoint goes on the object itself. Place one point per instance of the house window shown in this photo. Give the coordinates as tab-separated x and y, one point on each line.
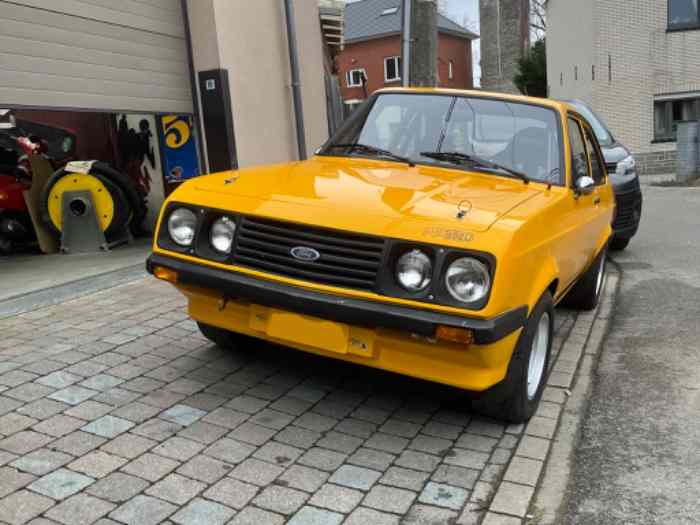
683	14
450	70
668	113
392	69
356	77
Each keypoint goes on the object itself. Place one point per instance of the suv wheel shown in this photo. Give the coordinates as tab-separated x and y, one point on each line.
515	399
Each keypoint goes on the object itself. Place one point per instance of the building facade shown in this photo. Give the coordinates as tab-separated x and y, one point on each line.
505	26
371	57
637	63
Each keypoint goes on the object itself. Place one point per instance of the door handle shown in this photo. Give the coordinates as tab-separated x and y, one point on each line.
596	200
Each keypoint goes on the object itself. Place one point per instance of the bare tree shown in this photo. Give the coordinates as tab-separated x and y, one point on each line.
538	18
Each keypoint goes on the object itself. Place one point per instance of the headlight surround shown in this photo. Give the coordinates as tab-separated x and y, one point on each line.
414	271
221	235
626	165
468	280
182	224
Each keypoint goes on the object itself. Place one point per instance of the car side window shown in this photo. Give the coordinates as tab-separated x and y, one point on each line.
596	164
579	160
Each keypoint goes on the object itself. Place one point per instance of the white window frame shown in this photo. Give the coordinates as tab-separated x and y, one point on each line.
450	70
398	69
349	75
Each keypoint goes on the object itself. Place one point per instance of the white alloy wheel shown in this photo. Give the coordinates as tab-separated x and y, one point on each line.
538	356
601	274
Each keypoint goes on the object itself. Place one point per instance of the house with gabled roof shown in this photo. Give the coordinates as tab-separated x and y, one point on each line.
371	57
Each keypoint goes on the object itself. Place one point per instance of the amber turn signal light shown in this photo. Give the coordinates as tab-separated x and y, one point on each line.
454	335
166	274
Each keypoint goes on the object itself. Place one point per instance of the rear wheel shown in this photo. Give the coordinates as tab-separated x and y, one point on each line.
618	244
515	399
586	292
222	338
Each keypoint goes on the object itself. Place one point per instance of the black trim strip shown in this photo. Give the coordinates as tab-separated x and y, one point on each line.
336	308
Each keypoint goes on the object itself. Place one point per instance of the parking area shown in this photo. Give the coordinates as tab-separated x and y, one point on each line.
114	408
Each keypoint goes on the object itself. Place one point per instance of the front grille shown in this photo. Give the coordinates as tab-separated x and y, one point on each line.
627	205
346	259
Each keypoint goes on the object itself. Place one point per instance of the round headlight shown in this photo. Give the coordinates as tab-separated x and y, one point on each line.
414	271
181	226
468	280
221	235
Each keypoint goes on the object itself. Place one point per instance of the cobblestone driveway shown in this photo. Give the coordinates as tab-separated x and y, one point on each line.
114	408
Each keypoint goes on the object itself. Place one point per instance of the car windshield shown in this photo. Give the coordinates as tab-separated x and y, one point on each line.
599	128
480	133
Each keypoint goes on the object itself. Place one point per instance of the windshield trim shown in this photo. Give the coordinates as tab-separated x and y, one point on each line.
362	111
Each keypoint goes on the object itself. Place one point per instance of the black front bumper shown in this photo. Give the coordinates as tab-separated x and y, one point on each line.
628	200
358	312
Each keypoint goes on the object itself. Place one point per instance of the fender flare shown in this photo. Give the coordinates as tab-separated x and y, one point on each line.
547	274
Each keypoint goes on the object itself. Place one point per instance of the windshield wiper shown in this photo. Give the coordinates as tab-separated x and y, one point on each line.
379	152
462	158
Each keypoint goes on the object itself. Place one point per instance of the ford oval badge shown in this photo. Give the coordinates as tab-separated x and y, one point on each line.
304	253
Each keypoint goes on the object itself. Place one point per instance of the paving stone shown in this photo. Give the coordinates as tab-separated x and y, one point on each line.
272	419
252	433
97	464
476	442
298	437
136	412
129	445
541	427
8	405
373	459
278	453
12	480
254	516
73	395
533	447
59	425
418	460
512	499
176	489
523	470
387	443
6	457
29	392
143	510
307	393
158	429
291	405
150	467
401	428
337	498
60	379
204	468
225	417
280	499
16	378
60	484
500	456
355	427
229	450
178	448
442	495
256	472
340	442
466	458
499	519
24	442
365	516
80	509
482	492
22	506
14	422
41	408
322	459
373	415
108	426
442	430
355	477
102	382
89	410
314	516
203	432
206	402
303	478
389	499
232	493
183	415
457	476
404	478
117	487
508	441
202	512
41	462
486	428
315	422
78	443
158	398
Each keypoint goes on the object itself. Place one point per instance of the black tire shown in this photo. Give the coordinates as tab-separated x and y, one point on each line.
6	246
510	400
586	292
224	339
618	244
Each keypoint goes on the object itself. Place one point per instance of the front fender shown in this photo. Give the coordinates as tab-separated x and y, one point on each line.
546	278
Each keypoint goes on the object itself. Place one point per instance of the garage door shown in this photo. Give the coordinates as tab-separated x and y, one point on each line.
121	56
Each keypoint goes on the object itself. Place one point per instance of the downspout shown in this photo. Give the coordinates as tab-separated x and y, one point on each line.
296	84
199	136
406	44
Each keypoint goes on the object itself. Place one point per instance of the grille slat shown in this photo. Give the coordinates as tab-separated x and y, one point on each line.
346	259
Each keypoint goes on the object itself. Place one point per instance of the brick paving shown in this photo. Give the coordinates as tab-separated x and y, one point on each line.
114	409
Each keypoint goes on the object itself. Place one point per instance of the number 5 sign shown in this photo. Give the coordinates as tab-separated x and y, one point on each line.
178	148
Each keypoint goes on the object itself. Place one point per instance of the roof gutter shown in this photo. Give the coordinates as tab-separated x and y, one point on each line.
296	83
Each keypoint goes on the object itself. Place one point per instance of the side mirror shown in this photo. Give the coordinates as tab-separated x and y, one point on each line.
585	185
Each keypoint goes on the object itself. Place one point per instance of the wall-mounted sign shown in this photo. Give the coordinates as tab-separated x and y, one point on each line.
178	148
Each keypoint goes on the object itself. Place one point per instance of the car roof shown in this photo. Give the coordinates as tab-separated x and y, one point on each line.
547	102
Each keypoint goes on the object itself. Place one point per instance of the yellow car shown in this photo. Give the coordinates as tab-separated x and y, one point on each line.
431	236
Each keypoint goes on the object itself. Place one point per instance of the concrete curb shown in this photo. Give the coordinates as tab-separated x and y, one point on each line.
533	488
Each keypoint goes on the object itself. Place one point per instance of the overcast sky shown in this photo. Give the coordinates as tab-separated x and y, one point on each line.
466	12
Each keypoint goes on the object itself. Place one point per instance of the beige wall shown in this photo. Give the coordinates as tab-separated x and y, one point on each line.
249	40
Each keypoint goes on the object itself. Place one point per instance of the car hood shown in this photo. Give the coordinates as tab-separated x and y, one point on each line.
614	153
333	187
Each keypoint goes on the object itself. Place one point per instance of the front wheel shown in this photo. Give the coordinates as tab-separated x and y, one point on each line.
515	399
618	244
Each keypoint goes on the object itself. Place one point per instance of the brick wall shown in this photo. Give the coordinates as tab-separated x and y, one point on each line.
370	55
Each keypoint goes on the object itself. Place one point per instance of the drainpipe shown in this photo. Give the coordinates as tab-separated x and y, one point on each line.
406	44
296	84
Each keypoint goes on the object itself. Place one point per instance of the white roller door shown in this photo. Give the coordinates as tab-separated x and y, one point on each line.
105	55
